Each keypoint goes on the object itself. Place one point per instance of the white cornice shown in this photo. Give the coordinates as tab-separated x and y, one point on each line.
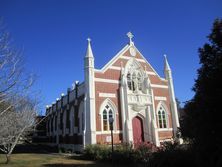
159	86
120	54
117	82
160	98
107	80
113	59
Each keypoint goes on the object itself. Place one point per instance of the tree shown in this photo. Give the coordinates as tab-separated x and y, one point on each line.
17	105
202	122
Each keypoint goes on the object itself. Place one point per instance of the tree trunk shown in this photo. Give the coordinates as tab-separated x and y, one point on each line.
8	158
13	146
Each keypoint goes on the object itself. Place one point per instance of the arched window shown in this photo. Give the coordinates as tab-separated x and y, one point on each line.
129	81
134	80
105	123
162	118
139	78
107	115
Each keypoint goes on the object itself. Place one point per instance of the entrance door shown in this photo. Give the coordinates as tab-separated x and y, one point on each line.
138	135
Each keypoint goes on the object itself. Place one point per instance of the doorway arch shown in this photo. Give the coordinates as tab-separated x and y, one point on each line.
138	132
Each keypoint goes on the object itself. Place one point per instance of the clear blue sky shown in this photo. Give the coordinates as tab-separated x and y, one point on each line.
53	34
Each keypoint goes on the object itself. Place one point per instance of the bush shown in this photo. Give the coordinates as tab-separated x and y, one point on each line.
97	152
170	155
123	154
143	152
173	155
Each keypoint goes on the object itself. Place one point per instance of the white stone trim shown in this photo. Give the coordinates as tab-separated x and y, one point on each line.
119	68
113	59
108	132
117	82
106	80
161	103
147	62
160	98
165	129
167	140
159	86
109	102
112	95
150	73
115	68
127	58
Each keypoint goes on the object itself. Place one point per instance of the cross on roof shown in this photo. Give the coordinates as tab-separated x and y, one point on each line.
88	39
130	36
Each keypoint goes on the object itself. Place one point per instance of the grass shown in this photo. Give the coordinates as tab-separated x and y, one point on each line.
47	160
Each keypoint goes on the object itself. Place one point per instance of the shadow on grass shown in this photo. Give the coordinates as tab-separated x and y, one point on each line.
34	148
70	165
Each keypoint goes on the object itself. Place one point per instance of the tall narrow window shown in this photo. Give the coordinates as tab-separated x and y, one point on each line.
105	123
162	118
139	78
107	115
134	82
129	81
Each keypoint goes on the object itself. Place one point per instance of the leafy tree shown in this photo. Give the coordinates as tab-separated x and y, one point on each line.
203	122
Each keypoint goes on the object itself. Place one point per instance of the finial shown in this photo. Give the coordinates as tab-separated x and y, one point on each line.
88	39
130	36
167	66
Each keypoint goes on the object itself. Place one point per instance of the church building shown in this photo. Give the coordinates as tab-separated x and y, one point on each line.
127	91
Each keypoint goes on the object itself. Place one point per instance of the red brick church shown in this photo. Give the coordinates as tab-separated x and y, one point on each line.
128	90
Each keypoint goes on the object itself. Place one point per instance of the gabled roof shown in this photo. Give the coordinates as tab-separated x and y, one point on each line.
119	54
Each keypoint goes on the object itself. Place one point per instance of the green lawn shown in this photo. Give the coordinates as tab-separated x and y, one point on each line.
46	160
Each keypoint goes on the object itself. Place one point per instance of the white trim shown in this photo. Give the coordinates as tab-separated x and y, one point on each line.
112	105
119	68
114	58
165	129
112	95
147	62
160	98
150	73
167	113
167	140
107	80
108	132
159	86
105	67
97	70
127	58
117	82
115	68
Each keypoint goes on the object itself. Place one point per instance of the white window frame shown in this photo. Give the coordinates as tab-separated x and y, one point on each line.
163	105
113	108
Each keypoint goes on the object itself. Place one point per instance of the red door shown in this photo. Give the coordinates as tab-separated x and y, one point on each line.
138	136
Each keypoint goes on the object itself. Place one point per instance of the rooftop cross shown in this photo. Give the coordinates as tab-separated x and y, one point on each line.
88	39
130	36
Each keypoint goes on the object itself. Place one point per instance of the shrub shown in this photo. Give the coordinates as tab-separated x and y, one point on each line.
123	154
97	152
173	155
143	152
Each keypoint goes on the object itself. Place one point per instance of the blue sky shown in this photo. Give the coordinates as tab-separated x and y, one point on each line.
53	35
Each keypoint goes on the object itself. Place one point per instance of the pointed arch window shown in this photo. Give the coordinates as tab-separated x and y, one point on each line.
139	78
129	81
162	117
134	81
107	115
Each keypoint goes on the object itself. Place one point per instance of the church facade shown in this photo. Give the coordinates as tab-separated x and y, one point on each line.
128	91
